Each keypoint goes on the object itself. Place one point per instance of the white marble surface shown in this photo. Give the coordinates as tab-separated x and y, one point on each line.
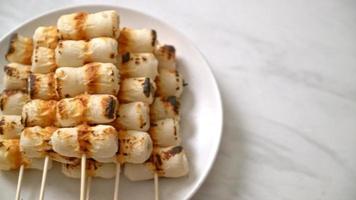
286	71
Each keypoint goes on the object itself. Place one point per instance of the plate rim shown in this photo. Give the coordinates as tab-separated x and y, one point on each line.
216	89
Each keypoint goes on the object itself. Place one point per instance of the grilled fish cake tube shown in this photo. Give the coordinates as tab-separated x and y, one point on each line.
170	162
137	40
35	143
135	147
43	60
97	142
20	50
92	78
75	53
42	86
10	155
165	132
92	109
15	76
71	53
83	26
139	65
12	101
169	83
163	108
133	116
46	36
139	172
10	126
166	56
45	40
39	112
137	89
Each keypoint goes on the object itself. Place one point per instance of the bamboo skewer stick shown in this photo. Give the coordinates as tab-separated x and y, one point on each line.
44	177
83	177
117	181
156	186
19	182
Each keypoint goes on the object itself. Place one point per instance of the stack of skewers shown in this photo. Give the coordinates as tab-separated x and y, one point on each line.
61	103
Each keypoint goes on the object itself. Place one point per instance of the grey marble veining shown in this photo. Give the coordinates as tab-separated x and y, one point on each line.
286	70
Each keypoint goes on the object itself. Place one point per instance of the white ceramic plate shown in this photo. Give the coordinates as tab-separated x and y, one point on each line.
201	120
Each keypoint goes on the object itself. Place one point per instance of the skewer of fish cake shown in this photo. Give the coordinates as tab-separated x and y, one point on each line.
165	84
136	40
43	86
92	78
168	158
133	115
169	161
14	96
49	55
138	70
93	27
45	39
